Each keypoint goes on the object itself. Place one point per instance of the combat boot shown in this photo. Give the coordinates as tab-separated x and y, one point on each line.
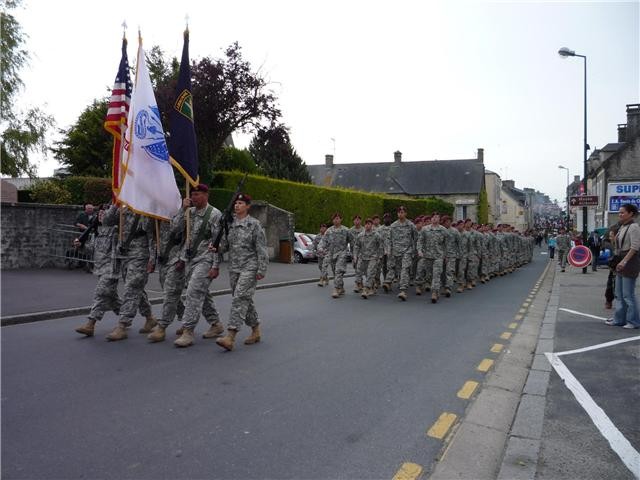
341	291
427	288
335	293
447	292
186	339
473	284
157	334
434	297
321	282
402	295
365	293
118	333
180	331
460	289
469	286
215	330
254	337
418	291
358	288
87	328
386	287
227	341
148	325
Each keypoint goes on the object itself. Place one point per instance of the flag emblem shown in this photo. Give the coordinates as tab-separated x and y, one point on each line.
184	104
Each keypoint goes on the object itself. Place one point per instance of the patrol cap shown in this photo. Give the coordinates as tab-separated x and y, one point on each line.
201	187
243	197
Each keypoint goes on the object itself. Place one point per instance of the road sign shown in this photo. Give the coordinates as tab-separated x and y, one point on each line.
580	256
584	201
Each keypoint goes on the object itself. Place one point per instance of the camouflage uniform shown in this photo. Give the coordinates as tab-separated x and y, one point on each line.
563	245
335	245
320	255
431	247
171	278
105	295
452	252
402	239
367	252
137	245
473	261
463	259
484	256
353	236
247	246
384	232
198	263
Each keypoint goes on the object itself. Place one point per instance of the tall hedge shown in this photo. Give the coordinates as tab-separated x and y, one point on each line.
313	205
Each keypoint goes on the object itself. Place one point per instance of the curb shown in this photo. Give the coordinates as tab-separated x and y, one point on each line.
492	438
72	312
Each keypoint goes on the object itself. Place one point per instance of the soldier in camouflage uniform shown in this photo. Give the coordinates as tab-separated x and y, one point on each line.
484	253
421	271
473	262
137	246
105	295
366	253
400	249
452	252
324	277
201	264
248	260
563	245
335	245
464	256
383	231
354	231
431	247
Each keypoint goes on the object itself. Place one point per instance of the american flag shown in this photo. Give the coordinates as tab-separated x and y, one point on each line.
116	120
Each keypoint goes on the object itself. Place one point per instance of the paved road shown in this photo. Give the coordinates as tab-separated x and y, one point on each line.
341	388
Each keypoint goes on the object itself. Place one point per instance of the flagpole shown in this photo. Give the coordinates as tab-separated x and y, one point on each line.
188	193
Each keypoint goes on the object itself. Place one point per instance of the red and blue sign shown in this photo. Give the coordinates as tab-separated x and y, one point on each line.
580	256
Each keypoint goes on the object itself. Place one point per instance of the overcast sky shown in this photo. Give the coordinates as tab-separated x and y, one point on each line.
435	80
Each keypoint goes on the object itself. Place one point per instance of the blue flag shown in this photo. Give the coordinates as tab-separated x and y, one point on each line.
183	147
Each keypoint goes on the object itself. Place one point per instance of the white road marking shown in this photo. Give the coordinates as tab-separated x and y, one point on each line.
620	445
583	314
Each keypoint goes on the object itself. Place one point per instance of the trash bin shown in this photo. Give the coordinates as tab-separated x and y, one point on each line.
285	250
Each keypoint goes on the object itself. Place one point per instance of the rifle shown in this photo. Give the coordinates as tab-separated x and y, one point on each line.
93	227
226	218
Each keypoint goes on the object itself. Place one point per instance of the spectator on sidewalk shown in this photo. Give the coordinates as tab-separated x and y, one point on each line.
611	279
593	242
627	269
551	243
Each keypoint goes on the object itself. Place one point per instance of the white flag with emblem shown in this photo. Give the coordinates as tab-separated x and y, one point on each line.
148	186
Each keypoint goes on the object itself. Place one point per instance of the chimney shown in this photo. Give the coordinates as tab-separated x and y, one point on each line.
509	183
397	156
481	155
328	161
633	121
622	132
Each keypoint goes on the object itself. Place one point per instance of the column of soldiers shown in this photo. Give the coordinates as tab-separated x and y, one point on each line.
129	246
431	252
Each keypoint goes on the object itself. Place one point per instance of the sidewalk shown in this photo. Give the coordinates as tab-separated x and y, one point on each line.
39	294
525	423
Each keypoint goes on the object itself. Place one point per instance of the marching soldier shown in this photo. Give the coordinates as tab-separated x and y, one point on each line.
431	247
383	231
248	259
402	240
464	256
354	231
563	242
335	245
324	278
452	252
367	254
473	261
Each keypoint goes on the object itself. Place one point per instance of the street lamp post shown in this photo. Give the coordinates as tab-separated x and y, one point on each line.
567	192
564	53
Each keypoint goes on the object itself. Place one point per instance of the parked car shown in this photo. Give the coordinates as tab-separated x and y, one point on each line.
303	248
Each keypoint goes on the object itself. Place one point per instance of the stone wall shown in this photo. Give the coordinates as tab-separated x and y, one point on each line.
34	235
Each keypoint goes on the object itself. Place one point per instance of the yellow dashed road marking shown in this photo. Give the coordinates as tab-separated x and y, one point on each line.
522	311
506	336
518	317
513	326
467	389
408	471
485	365
443	424
525	305
497	347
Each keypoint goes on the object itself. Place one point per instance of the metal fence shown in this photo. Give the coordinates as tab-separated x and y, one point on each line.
62	250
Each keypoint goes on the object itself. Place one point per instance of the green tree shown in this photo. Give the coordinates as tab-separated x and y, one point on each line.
22	132
231	158
86	147
273	153
228	96
483	207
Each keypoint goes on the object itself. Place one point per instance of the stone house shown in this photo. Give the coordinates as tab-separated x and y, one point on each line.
456	181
